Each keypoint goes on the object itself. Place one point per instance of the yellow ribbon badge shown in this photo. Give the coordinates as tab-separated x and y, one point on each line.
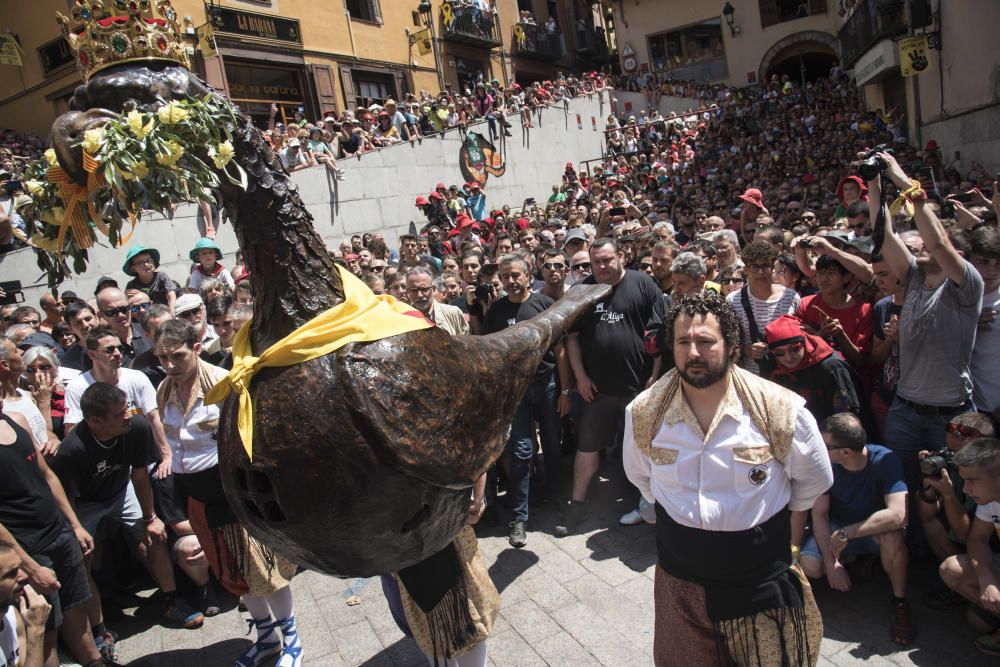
446	13
362	317
519	36
903	201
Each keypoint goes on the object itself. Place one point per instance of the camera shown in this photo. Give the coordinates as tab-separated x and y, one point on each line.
871	165
932	464
485	291
806	243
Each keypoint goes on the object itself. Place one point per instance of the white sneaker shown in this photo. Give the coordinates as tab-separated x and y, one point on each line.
633	518
647	510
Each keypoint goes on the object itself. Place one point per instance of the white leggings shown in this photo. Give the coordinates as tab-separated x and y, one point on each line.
475	657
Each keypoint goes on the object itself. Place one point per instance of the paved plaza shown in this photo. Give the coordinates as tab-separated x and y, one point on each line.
576	601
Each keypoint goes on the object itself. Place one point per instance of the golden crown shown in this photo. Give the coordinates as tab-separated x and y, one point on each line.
127	30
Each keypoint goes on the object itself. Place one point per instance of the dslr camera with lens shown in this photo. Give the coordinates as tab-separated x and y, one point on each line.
932	464
871	165
485	291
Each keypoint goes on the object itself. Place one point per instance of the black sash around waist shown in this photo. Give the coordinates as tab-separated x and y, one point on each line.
743	572
206	487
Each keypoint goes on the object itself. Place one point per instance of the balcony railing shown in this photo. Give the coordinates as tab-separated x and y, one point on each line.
532	41
592	44
471	26
871	21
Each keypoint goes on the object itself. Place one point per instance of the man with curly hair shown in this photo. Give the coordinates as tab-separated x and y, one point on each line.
759	463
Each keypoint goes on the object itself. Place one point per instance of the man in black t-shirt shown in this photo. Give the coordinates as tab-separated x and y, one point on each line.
542	402
610	365
103	465
36	516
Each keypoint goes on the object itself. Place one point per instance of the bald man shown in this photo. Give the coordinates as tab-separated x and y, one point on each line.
53	309
117	312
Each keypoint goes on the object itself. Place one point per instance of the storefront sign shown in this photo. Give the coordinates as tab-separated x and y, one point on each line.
270	84
914	55
260	26
876	62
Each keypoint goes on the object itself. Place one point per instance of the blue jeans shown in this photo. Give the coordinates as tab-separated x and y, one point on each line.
540	404
907	432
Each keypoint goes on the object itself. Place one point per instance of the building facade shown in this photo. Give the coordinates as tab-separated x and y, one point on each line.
946	85
317	56
737	42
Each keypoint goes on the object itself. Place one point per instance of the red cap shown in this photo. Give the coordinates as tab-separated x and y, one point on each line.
473	186
436	195
453	233
522	223
931	145
350	256
440	186
421	201
755	197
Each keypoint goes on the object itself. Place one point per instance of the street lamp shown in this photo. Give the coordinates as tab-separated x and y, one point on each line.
730	13
427	18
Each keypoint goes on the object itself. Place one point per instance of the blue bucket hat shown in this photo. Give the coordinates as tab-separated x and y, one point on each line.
205	244
139	250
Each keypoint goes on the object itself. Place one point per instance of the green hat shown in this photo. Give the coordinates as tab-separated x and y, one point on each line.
205	244
139	250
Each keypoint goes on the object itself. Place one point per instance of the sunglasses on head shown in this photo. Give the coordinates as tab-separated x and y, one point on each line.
794	347
115	312
964	431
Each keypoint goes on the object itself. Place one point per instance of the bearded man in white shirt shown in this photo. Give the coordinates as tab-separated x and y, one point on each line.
733	464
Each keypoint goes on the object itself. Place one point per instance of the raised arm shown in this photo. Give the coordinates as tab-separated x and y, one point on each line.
895	253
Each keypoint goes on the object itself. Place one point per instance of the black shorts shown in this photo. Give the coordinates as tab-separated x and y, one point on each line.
169	501
65	558
602	423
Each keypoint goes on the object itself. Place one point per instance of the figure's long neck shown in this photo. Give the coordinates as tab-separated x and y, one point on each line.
292	274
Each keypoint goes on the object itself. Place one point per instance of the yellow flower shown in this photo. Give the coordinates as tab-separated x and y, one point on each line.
172	113
173	154
140	171
33	188
92	140
134	119
50	157
222	154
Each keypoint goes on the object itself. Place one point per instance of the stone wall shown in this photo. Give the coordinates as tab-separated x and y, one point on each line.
376	196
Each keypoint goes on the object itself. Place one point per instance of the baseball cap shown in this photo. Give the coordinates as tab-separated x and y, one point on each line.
293	142
574	235
37	339
421	201
839	235
186	302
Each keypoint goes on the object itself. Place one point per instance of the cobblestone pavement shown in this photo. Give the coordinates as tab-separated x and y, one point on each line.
582	600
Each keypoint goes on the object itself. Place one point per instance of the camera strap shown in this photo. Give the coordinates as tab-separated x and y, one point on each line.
878	229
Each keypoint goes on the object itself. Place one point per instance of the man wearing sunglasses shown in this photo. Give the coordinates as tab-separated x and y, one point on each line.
105	350
807	365
117	312
946	511
542	403
555	269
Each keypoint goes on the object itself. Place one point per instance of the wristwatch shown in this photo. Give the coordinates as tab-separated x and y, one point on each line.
564	392
842	535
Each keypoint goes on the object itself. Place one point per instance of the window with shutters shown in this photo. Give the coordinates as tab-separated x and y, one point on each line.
779	11
694	52
372	87
364	10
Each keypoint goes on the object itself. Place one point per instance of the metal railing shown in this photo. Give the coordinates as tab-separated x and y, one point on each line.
471	25
871	21
532	41
592	43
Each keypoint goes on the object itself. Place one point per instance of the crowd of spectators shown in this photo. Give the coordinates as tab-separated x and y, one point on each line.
884	322
887	332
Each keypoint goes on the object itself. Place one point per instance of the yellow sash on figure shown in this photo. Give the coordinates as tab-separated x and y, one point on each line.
362	317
